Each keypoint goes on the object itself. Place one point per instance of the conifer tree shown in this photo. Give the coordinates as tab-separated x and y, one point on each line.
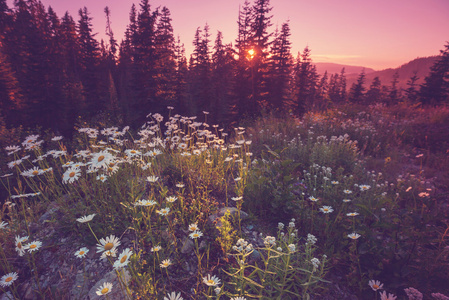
411	92
435	89
305	83
357	91
374	94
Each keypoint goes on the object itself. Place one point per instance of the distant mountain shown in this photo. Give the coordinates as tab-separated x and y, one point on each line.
421	65
332	68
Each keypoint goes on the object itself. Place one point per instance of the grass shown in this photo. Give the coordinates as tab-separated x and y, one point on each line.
338	178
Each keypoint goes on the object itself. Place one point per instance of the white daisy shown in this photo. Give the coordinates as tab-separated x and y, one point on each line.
211	281
165	263
104	289
110	243
71	175
87	218
145	203
123	259
19	244
33	246
164	211
8	279
173	296
171	199
196	234
81	252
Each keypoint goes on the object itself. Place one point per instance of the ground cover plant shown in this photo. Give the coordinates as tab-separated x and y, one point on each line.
180	209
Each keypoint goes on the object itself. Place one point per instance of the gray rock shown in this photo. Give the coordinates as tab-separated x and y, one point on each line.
187	246
232	211
116	293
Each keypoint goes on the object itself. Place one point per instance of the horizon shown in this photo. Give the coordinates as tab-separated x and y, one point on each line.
408	29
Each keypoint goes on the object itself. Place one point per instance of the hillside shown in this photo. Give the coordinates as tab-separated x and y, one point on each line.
332	68
421	65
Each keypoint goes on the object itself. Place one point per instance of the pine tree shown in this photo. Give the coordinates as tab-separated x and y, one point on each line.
435	89
280	69
374	94
394	94
411	92
305	83
223	64
357	91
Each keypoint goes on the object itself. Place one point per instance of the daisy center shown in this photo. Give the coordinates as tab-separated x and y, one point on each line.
133	151
8	279
19	245
108	246
104	291
375	286
100	158
211	282
72	174
35	172
123	259
81	253
33	246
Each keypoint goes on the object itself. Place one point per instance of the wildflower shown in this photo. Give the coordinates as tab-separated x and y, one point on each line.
102	178
326	209
364	187
165	263
279	249
180	185
104	289
123	259
152	179
291	224
439	296
8	279
280	225
101	159
419	155
3	225
87	218
237	198
33	246
12	149
156	248
423	194
19	244
109	253
346	200
32	172
313	199
352	214
171	199
14	163
315	262
383	296
237	179
408	189
334	182
269	241
110	243
164	211
193	227
217	290
145	203
291	247
132	153
347	192
196	234
375	285
311	239
71	175
173	296
211	281
57	138
413	294
31	139
81	252
354	236
238	298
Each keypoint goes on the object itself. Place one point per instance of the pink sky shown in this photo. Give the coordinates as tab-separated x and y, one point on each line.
373	33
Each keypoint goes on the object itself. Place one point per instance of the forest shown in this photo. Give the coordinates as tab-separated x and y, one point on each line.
54	71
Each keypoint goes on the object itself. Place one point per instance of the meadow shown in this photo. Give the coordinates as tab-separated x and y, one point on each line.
349	203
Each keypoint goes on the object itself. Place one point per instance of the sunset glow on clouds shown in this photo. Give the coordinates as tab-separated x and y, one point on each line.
377	34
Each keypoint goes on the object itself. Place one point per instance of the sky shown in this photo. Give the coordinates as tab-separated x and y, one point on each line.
377	34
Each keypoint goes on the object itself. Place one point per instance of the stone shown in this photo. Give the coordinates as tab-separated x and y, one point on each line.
187	246
116	293
232	211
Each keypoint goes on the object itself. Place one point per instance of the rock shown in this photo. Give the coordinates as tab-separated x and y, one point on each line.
232	211
52	209
116	293
187	246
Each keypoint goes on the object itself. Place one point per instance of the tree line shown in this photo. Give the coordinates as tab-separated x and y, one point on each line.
53	70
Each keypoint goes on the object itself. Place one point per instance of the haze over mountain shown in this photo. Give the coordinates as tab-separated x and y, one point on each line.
333	68
421	65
